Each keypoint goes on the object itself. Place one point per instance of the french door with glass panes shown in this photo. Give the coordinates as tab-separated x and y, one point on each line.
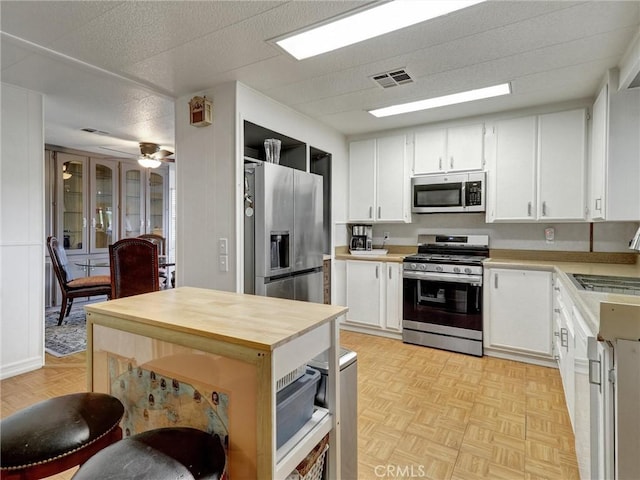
87	210
103	216
144	204
72	173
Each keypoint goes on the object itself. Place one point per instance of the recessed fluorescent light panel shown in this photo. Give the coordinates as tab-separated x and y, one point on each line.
462	97
366	24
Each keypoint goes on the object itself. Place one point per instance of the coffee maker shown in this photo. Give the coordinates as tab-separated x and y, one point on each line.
361	237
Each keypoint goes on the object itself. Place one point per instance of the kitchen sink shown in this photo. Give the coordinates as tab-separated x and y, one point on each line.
606	284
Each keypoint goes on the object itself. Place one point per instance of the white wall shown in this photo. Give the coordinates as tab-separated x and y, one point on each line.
21	232
206	191
210	178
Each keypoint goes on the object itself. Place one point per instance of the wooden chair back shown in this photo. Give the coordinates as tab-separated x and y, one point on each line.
159	240
59	261
134	267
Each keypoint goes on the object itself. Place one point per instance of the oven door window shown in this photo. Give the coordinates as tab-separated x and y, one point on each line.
441	195
444	303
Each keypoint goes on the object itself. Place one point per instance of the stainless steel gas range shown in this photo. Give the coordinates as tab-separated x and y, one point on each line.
442	293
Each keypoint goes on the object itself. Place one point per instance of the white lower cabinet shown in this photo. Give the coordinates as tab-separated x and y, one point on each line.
393	280
564	344
582	396
518	313
364	293
373	293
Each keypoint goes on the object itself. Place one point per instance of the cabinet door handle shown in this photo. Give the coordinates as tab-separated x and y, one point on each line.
370	212
440	163
93	222
557	310
377	271
495	280
451	162
599	204
379	212
544	209
84	222
390	269
529	209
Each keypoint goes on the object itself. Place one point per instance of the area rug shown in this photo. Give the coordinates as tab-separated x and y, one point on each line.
68	338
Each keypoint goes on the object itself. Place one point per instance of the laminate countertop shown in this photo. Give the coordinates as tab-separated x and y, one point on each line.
389	257
593	306
262	323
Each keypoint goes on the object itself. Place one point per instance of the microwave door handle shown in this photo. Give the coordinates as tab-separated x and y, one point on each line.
464	194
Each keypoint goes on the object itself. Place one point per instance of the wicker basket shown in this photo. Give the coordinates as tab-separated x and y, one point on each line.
312	467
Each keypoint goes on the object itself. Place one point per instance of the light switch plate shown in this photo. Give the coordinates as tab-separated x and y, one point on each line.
223	248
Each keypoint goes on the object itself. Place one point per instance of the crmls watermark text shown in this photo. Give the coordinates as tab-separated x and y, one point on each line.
399	471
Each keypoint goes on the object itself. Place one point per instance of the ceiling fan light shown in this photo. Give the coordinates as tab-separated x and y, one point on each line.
148	162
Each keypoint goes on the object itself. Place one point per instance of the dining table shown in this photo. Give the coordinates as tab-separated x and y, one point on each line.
88	266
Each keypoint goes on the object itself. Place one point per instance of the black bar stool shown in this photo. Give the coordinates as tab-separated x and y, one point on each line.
57	434
162	454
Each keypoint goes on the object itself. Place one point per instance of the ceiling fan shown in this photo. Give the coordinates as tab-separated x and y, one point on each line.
151	155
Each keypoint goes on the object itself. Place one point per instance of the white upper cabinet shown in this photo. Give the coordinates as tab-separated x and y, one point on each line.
362	187
379	180
448	149
537	168
562	157
615	153
512	183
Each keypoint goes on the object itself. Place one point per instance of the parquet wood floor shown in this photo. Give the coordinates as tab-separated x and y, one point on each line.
426	413
422	413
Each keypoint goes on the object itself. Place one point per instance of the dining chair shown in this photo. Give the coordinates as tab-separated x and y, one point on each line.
74	287
134	267
160	241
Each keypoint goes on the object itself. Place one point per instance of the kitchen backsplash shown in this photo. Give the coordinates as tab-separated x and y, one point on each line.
607	236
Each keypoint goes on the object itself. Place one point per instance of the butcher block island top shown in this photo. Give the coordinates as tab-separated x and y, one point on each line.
253	321
215	361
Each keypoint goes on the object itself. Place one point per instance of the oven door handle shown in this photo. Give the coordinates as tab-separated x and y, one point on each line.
443	277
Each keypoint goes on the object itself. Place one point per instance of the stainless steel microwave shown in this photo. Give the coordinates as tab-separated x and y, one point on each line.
455	192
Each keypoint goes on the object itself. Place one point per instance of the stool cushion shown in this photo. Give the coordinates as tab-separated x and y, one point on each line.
160	454
56	427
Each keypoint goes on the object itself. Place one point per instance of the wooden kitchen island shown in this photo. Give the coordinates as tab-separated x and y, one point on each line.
214	360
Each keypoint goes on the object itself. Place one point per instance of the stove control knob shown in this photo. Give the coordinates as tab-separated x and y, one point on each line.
438	268
467	270
456	270
423	266
413	266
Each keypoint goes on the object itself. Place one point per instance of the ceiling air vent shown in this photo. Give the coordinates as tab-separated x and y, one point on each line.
392	78
97	132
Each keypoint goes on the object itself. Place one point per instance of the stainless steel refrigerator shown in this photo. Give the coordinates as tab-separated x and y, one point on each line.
283	233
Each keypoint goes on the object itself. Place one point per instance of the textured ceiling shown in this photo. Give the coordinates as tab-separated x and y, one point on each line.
118	66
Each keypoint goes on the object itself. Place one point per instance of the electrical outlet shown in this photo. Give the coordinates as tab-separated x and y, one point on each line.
223	263
386	235
549	234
